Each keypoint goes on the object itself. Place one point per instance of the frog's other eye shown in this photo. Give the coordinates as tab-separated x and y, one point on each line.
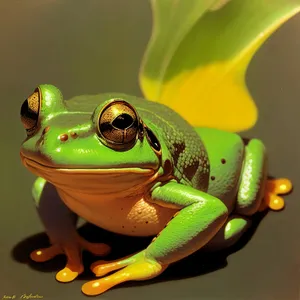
118	125
154	143
30	112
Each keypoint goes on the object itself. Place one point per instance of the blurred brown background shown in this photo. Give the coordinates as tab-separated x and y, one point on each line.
96	46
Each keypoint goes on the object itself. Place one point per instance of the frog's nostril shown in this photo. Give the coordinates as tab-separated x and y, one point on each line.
63	137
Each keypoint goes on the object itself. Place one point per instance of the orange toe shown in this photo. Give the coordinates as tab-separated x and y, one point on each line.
97	287
97	266
45	254
101	267
67	275
279	186
276	202
275	187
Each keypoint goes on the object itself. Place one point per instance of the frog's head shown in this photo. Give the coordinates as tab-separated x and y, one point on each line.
89	145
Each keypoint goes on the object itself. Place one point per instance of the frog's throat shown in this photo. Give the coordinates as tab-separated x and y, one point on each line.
93	181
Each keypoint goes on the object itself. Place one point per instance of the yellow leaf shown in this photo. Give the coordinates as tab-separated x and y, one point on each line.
204	79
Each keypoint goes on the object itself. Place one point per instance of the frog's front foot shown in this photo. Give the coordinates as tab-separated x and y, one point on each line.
274	188
135	267
73	250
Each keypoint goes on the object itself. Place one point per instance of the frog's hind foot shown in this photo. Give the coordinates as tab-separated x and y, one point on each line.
274	188
73	251
133	267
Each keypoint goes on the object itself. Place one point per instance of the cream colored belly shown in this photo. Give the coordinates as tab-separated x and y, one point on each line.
129	216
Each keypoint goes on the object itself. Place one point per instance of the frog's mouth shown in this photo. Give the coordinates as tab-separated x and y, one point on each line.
105	180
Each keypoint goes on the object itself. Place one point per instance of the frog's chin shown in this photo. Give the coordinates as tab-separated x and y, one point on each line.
92	181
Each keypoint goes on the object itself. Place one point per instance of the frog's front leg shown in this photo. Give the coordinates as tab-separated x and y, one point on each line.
199	218
60	225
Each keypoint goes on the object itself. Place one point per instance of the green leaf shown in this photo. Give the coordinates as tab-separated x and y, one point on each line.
198	54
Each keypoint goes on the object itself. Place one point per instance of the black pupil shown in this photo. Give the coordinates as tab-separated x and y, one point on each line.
27	112
122	121
153	140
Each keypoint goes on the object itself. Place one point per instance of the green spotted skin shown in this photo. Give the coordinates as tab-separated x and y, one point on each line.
226	163
187	152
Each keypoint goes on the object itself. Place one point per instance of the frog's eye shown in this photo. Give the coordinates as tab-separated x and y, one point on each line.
154	143
30	112
118	125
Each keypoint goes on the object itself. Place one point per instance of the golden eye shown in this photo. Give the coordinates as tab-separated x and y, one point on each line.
30	112
118	125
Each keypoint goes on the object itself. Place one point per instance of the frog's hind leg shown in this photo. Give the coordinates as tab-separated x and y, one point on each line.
229	234
253	179
237	225
256	192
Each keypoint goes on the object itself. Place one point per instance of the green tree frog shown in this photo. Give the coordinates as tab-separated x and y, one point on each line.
137	168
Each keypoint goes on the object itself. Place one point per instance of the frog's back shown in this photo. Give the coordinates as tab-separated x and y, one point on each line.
189	156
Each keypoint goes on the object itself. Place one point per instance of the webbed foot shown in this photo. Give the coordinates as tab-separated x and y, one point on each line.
274	188
134	267
73	251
